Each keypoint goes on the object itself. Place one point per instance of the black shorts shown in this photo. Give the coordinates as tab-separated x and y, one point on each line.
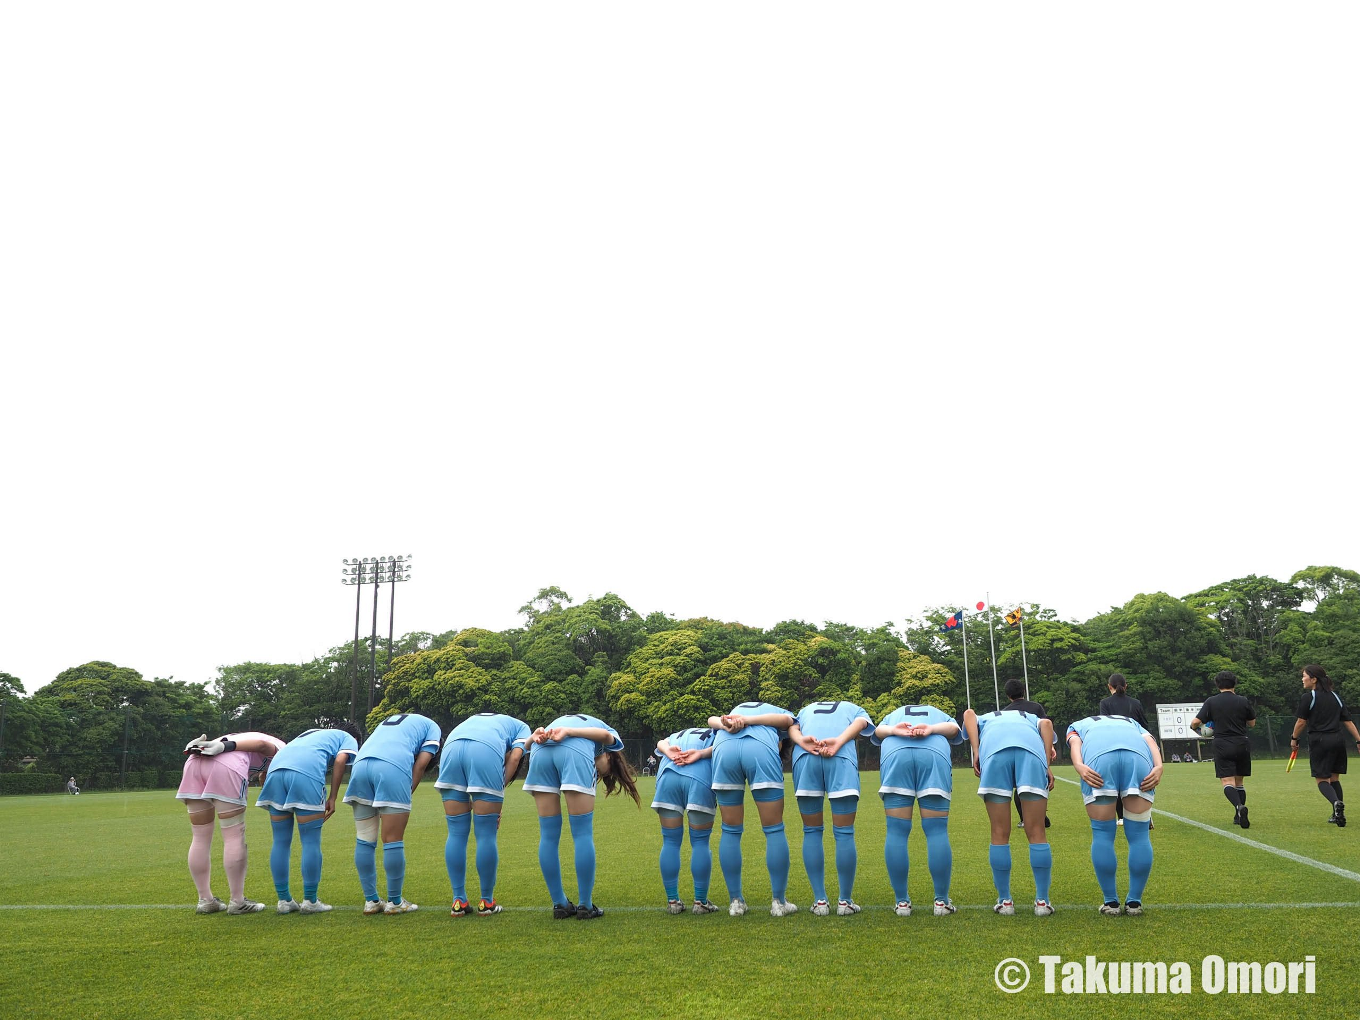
1232	757
1326	754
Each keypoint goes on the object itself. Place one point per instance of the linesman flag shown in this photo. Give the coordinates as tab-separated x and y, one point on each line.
953	622
1014	618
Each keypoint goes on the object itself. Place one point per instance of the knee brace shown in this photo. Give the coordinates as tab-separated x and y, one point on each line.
367	829
230	820
1138	816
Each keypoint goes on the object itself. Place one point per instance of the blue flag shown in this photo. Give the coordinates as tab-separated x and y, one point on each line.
953	622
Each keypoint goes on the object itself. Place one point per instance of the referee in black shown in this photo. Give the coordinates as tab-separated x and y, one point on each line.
1231	715
1323	713
1015	690
1119	703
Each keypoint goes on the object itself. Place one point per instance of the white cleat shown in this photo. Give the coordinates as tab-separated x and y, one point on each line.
313	907
675	907
846	908
211	906
1042	908
903	908
1110	909
244	906
288	906
403	907
1004	907
375	906
737	908
821	908
943	908
704	907
1133	908
782	908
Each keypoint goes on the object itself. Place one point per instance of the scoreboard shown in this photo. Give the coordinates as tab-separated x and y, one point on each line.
1173	721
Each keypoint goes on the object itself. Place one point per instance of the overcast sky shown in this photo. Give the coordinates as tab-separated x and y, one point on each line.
753	311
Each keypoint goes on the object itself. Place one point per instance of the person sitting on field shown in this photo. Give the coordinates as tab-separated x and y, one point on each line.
71	786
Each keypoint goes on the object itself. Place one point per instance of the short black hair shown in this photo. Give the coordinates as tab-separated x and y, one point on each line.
1225	679
1015	689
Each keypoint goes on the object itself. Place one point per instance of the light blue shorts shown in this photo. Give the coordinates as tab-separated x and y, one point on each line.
815	776
677	792
1122	771
916	772
287	790
468	767
737	763
379	784
1013	769
554	768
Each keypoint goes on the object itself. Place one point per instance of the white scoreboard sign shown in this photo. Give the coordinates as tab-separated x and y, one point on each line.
1173	721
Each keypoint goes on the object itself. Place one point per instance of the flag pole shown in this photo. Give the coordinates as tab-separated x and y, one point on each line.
996	684
1023	661
967	689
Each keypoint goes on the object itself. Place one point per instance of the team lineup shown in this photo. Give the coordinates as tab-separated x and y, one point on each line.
704	774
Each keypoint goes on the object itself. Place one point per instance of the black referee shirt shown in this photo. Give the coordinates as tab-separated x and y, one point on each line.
1032	707
1323	710
1122	704
1229	712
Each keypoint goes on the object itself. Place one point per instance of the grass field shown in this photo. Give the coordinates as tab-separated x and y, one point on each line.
96	919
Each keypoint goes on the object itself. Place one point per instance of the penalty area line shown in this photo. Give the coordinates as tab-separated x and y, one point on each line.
1288	855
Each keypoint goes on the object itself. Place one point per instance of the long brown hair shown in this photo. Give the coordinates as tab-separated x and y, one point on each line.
620	776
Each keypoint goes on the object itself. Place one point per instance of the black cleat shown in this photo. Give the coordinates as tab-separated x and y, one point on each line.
1237	816
1340	812
584	913
1242	811
1047	823
564	910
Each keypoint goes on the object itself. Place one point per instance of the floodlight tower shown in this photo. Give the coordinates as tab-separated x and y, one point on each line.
374	570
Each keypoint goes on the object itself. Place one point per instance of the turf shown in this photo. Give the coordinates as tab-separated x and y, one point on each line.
151	960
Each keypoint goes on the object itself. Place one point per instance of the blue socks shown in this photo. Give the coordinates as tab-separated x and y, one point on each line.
846	860
729	859
777	859
1103	858
1140	857
939	855
700	860
366	864
814	859
394	867
310	835
1041	863
280	855
1000	859
487	828
583	841
895	856
549	836
455	853
670	860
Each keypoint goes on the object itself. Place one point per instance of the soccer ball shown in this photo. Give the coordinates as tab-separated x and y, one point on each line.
1207	730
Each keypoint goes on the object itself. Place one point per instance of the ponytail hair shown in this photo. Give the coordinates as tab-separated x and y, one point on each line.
1117	683
1319	675
620	777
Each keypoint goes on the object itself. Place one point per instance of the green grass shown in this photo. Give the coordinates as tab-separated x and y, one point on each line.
113	849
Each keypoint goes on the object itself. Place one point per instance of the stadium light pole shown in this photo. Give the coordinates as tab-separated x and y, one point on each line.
374	570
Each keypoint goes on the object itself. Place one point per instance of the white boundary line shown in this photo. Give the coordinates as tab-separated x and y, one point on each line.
872	907
1287	854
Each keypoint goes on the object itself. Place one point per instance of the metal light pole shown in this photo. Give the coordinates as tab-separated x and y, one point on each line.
374	570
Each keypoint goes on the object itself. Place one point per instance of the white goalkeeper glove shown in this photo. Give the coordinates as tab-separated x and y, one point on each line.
217	746
195	746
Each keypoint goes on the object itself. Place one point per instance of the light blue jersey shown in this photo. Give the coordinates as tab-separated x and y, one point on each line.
498	732
825	720
587	749
1101	734
1000	730
700	771
398	739
922	715
770	736
313	752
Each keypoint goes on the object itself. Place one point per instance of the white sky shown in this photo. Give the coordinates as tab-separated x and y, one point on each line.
748	310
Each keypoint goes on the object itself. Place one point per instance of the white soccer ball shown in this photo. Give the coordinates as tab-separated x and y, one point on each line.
1207	730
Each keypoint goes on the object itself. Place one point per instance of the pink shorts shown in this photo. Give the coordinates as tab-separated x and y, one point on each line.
209	779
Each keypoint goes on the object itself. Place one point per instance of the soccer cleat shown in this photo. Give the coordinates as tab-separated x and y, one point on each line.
943	908
1110	909
1119	822
845	908
821	908
1042	908
1004	907
459	908
1331	819
903	908
244	907
374	906
313	907
485	908
1048	823
782	908
675	907
1340	810
1151	825
704	907
1245	823
562	911
584	913
737	908
288	906
400	907
211	906
1237	816
1133	908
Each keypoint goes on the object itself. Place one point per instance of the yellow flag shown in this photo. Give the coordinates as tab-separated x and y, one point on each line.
1013	618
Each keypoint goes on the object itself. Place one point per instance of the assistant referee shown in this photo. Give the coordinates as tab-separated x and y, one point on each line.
1322	711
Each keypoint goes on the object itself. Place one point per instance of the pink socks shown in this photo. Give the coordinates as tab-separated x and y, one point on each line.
200	867
234	859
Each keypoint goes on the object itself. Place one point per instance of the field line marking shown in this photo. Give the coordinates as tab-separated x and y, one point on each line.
872	907
1287	854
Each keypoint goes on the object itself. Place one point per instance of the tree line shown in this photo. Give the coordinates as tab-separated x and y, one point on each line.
650	675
